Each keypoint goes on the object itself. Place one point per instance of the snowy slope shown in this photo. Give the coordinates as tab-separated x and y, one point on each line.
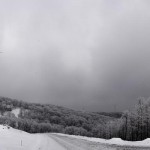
12	139
16	112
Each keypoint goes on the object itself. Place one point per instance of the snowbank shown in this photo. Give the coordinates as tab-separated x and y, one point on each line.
13	139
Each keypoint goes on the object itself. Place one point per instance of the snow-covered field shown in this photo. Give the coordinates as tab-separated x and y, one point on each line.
13	139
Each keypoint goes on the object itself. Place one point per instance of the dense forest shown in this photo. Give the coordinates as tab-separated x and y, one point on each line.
134	124
35	118
39	118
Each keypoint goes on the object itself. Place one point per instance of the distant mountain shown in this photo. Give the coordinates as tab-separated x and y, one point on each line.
34	117
111	114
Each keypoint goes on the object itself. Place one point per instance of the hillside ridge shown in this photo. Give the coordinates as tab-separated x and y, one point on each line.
36	117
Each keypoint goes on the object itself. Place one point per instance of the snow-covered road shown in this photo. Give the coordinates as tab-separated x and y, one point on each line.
77	144
13	139
70	143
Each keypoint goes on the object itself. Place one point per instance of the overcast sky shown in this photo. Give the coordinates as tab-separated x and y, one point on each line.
82	54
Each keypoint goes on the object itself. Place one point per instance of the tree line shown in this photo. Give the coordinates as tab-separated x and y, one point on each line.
134	124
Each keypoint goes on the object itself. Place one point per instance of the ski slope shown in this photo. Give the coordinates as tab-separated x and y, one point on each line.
16	112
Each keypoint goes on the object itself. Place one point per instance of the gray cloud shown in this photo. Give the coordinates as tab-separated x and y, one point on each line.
80	54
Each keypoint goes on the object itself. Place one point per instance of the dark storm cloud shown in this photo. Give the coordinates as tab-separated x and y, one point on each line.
81	54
